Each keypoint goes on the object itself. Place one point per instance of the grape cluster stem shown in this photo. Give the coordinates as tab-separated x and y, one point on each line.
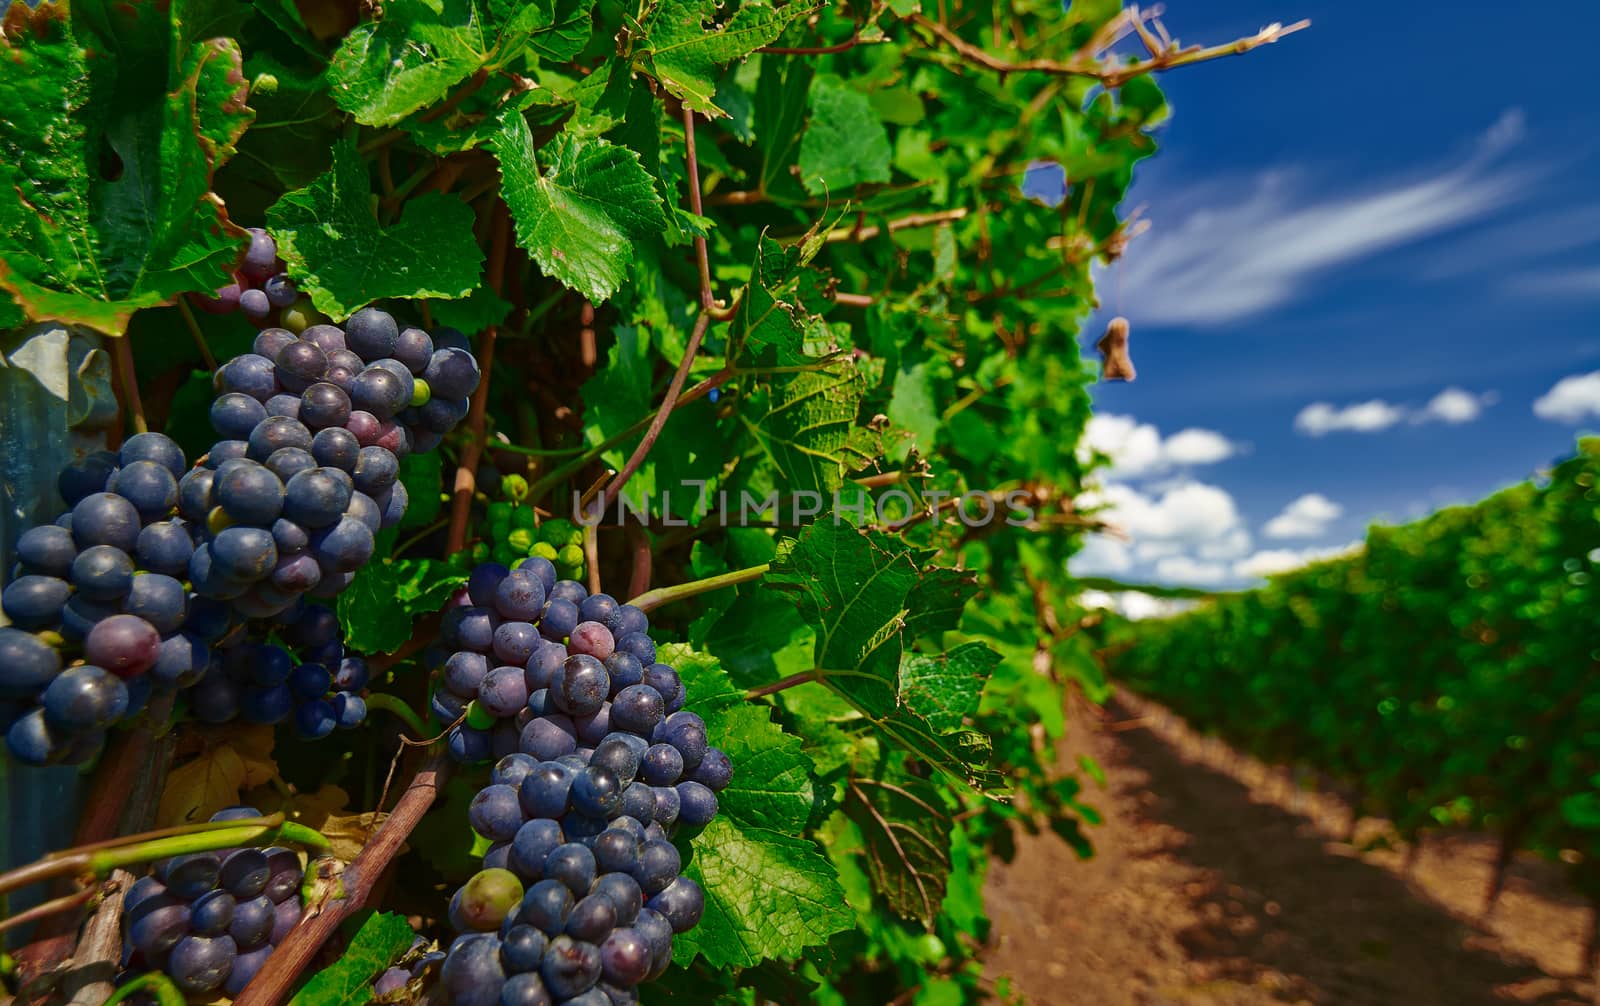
277	977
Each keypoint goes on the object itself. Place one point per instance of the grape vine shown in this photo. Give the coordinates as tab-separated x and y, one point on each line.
643	459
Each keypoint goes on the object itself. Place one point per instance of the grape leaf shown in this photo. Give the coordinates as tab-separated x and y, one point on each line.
907	837
845	143
215	776
380	938
805	425
686	56
945	687
580	213
768	895
473	313
771	785
373	621
852	587
423	475
344	259
772	325
162	104
385	70
936	602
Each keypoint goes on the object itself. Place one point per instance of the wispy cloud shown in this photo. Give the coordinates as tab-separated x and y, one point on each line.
1452	406
1226	263
1582	282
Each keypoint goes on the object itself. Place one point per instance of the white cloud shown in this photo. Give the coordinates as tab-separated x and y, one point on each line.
1272	561
1572	400
1134	604
1306	517
1137	450
1197	447
1228	546
1188	514
1320	418
1452	406
1102	555
1186	570
1224	264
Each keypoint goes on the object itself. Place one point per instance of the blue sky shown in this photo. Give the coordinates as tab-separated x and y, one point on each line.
1395	209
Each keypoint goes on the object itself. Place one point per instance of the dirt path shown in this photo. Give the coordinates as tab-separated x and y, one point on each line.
1214	883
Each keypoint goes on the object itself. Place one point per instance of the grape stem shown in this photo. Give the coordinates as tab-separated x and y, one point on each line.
277	977
1087	61
195	333
100	860
472	450
653	599
785	683
128	382
166	992
398	708
64	903
708	309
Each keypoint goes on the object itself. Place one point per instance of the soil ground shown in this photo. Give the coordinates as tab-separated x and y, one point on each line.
1215	881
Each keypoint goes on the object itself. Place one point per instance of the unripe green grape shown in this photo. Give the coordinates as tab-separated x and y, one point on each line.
558	532
420	393
542	550
480	553
479	718
522	516
505	555
570	555
218	521
301	315
488	897
515	487
500	512
521	539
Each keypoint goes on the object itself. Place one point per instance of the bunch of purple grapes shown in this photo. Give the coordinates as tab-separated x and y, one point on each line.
261	284
308	470
104	582
309	681
581	890
163	577
210	920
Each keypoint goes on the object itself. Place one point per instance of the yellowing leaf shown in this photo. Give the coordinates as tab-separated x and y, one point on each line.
201	787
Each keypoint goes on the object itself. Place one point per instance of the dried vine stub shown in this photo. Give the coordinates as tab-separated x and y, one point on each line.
1116	364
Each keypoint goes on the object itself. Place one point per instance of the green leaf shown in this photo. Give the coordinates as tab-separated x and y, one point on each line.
768	895
376	610
805	425
619	392
945	687
771	785
937	601
381	938
852	587
344	259
686	56
845	144
472	313
387	69
423	477
581	211
773	322
165	106
907	836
